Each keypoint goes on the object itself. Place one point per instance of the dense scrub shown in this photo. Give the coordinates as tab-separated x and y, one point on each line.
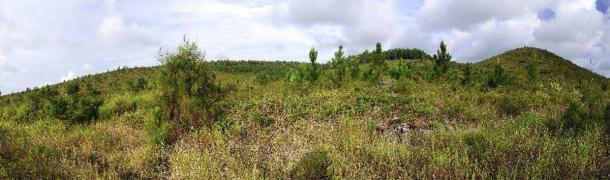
388	120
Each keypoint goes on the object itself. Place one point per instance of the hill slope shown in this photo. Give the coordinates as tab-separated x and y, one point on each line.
551	66
410	124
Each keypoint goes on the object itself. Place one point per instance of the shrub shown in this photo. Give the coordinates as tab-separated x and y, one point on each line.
607	119
189	90
574	117
400	53
479	147
403	70
532	69
119	105
262	79
498	77
338	67
72	88
262	120
313	165
156	129
514	104
137	85
468	78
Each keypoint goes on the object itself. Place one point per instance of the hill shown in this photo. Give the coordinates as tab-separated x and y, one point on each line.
551	66
409	121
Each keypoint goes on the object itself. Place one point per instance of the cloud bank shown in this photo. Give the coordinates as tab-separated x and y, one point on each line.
47	41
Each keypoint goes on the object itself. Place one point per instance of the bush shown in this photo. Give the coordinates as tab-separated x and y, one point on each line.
313	165
468	78
574	117
119	105
498	77
262	79
156	130
189	90
607	119
400	53
403	70
479	147
532	69
514	104
137	85
262	120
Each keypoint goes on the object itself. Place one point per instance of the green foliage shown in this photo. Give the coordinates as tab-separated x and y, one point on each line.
593	100
119	105
137	85
339	67
606	122
313	71
262	120
575	118
262	79
402	71
157	130
400	53
188	88
514	104
479	147
498	77
84	107
533	70
441	59
312	165
468	77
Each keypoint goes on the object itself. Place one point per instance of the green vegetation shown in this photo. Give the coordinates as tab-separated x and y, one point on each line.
358	117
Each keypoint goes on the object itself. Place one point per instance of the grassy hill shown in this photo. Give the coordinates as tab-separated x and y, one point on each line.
411	123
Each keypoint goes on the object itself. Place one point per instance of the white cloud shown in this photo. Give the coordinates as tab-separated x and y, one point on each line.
42	40
68	76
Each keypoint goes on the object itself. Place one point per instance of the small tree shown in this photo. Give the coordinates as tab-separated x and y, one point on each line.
498	77
467	75
338	66
442	58
188	88
379	59
314	72
532	68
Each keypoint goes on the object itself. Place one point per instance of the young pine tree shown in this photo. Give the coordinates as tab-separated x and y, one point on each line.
441	59
532	69
467	75
314	71
338	65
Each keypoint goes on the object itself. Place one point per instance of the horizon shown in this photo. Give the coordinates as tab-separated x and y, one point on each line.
41	45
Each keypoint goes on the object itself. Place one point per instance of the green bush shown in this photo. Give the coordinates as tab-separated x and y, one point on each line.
119	105
262	120
157	131
514	104
498	77
479	147
189	90
137	85
262	79
574	117
312	165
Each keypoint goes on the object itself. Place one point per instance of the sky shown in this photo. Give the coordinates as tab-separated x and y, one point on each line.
49	41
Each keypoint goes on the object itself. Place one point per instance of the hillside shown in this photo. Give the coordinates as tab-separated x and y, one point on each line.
551	66
274	123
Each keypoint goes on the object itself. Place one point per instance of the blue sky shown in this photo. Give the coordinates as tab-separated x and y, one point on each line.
45	42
